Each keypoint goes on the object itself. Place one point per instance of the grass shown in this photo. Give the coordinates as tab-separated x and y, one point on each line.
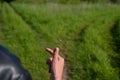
0	20
116	34
115	31
92	53
21	40
59	23
68	17
81	31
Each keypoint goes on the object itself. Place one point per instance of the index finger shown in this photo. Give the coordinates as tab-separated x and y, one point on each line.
50	51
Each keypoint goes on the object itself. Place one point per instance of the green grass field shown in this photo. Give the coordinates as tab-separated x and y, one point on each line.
88	36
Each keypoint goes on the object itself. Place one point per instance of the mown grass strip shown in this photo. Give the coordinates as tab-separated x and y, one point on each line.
90	60
22	41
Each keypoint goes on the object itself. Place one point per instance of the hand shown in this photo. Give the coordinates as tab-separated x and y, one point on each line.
56	64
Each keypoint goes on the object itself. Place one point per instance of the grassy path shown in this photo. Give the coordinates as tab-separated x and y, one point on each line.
65	42
85	21
91	47
82	37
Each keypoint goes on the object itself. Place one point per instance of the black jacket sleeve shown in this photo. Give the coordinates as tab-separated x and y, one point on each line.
10	67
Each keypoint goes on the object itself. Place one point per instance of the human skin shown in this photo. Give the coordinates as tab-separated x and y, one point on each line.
56	64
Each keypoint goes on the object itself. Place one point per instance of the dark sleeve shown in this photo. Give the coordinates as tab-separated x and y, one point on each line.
10	67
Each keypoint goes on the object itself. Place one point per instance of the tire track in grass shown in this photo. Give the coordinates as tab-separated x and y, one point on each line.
65	77
85	64
65	46
20	39
64	43
86	16
44	37
63	51
81	31
32	28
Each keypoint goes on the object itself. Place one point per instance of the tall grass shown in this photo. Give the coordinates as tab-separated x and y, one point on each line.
116	35
115	32
58	22
90	60
22	41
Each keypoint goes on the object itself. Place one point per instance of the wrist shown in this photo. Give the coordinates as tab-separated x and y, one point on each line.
53	77
58	78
